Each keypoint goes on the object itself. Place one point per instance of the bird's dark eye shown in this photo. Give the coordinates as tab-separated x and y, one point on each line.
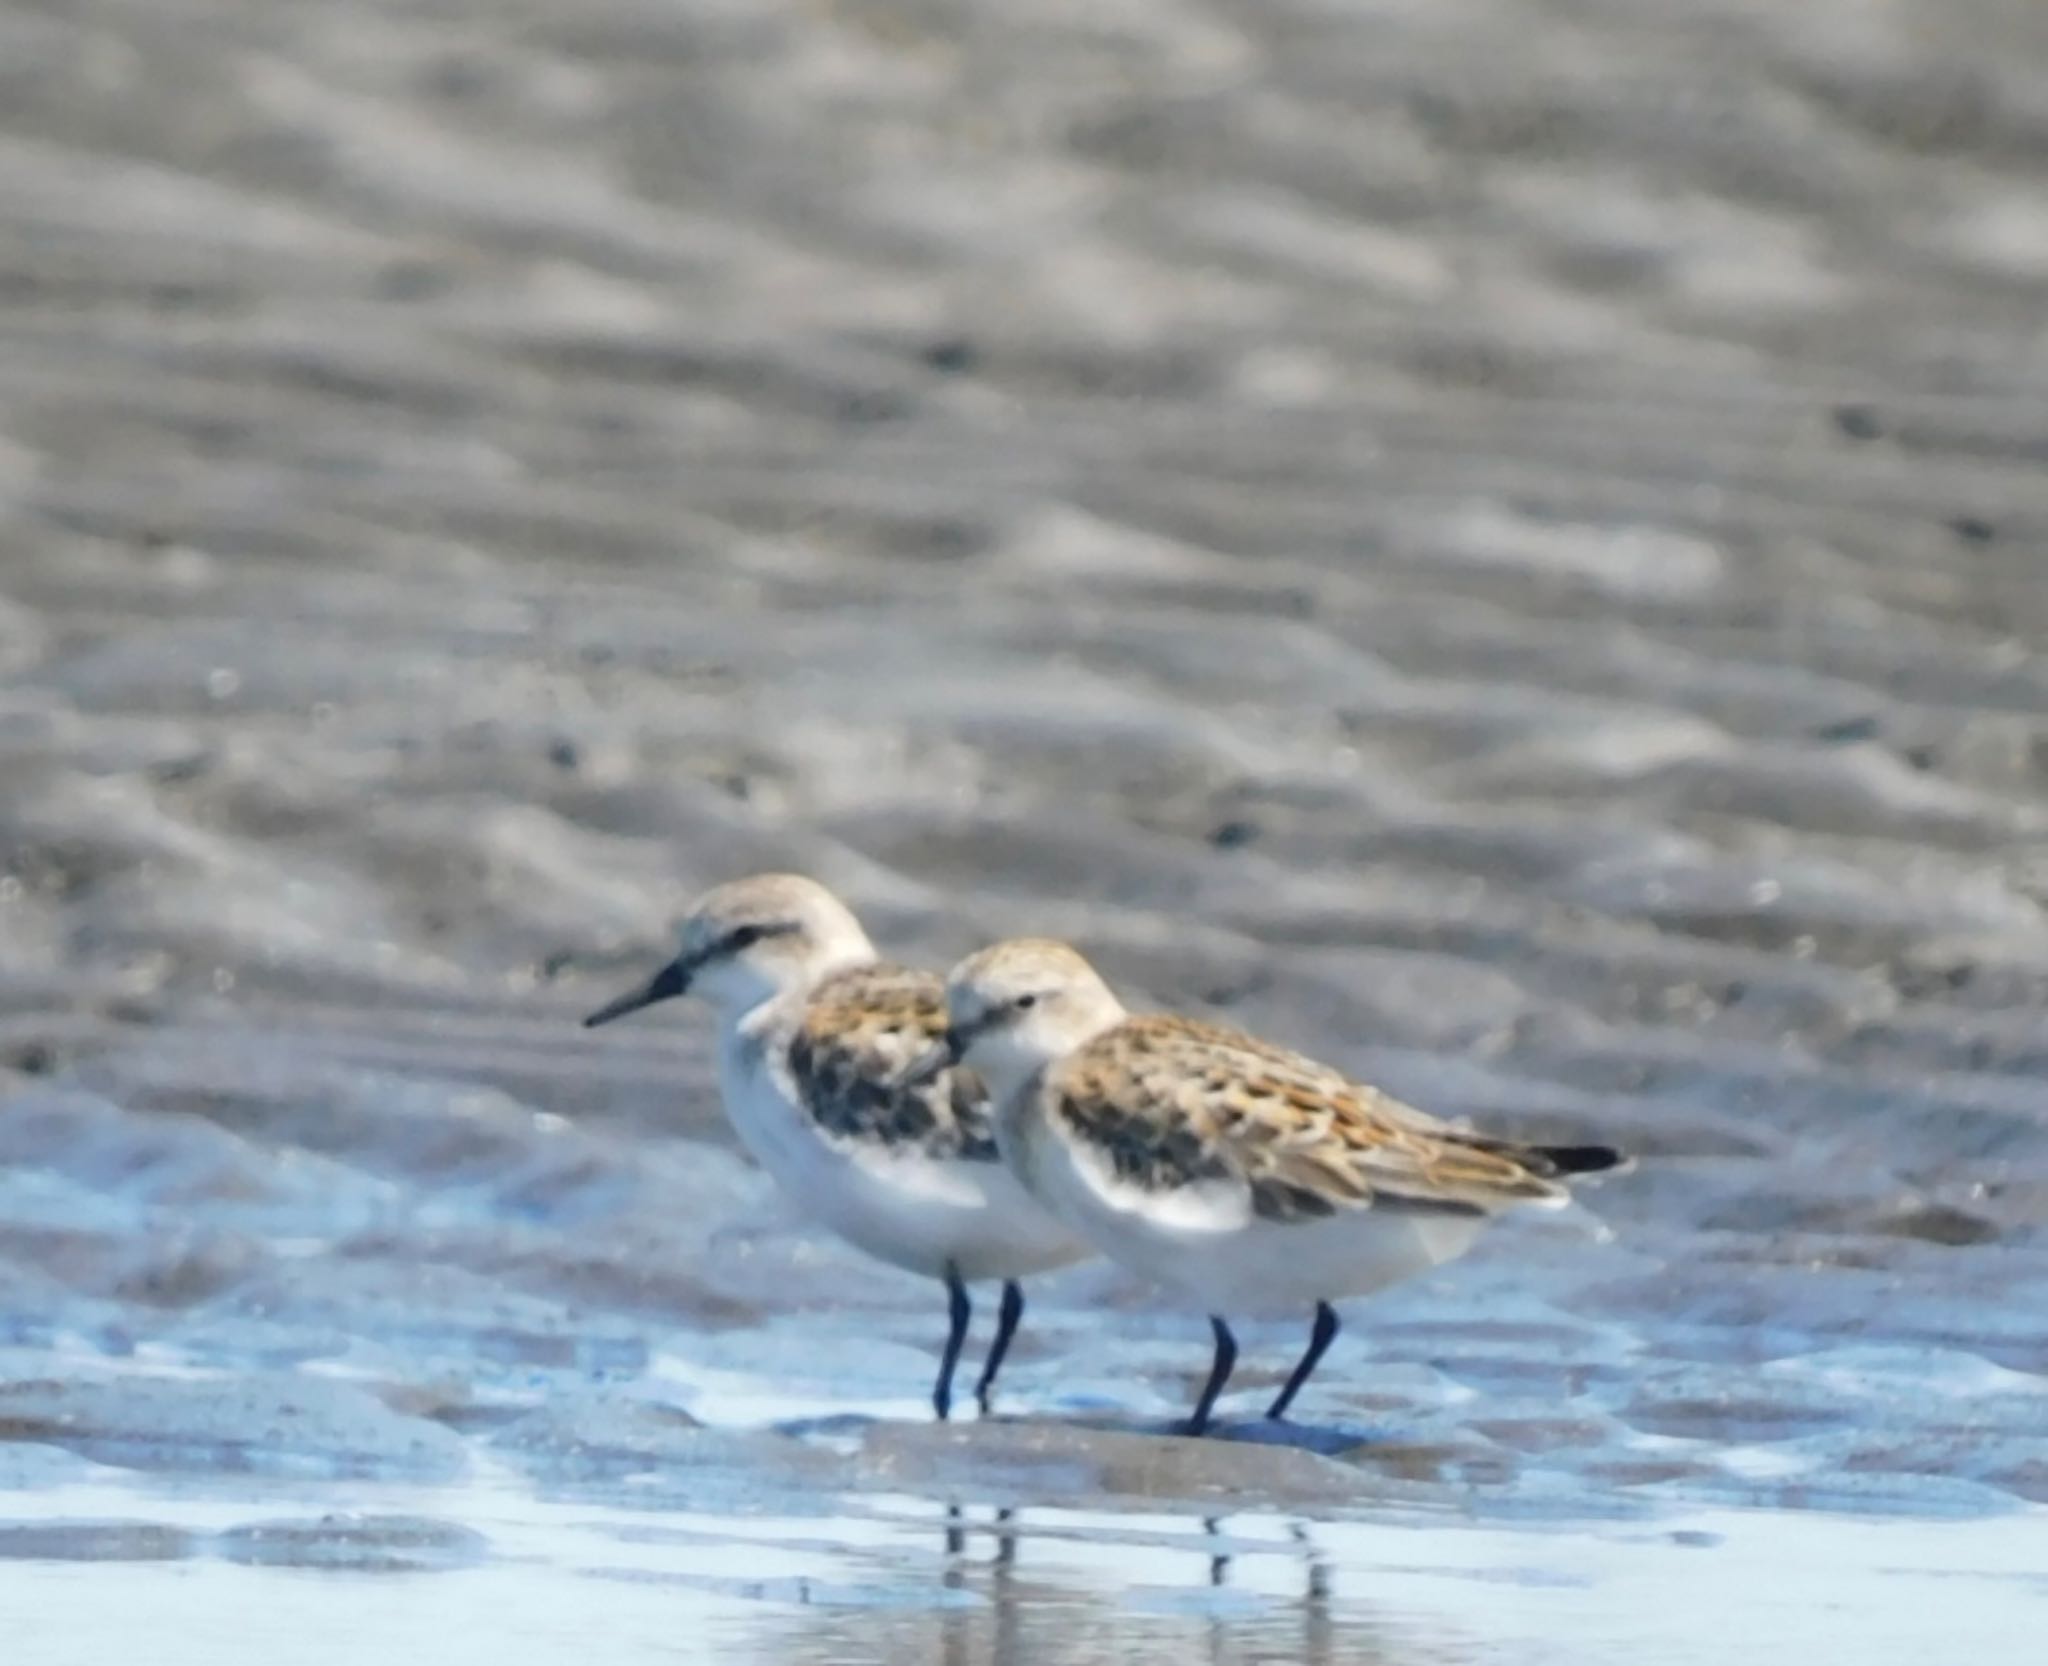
744	938
1026	1001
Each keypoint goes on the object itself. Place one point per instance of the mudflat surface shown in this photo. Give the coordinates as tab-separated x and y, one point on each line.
1499	543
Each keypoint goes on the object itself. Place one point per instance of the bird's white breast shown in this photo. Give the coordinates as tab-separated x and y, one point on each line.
913	1210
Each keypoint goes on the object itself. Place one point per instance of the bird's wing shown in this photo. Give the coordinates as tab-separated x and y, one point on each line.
858	1036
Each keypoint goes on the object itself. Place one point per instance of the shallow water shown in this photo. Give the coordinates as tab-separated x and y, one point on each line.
1437	531
901	1577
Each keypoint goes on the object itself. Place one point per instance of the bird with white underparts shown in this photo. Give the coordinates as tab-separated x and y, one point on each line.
1247	1178
815	1035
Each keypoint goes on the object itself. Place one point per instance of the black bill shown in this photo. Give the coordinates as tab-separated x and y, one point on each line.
672	980
935	1062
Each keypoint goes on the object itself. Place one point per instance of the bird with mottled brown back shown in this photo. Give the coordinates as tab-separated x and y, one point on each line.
815	1037
1243	1174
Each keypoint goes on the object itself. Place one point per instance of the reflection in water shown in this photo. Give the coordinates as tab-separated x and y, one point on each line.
1316	1605
533	1581
1057	1588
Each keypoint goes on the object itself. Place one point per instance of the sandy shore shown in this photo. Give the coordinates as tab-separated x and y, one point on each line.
1497	542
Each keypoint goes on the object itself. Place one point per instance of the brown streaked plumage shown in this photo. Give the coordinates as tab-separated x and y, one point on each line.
1172	1101
859	1033
1218	1164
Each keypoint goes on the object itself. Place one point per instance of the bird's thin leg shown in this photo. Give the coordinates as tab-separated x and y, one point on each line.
1006	1327
1219	1374
1319	1340
958	1311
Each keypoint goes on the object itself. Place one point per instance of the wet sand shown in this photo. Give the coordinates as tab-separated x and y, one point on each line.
1496	542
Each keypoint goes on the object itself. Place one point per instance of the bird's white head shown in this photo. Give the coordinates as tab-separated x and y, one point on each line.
1015	1007
751	941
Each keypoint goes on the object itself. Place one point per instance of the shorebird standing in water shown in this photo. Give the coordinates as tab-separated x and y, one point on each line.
815	1036
1242	1175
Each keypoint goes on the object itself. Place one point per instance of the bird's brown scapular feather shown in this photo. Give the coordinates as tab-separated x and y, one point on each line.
859	1035
1175	1102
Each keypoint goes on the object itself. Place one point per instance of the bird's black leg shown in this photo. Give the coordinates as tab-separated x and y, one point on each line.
958	1311
1219	1374
1006	1327
1319	1340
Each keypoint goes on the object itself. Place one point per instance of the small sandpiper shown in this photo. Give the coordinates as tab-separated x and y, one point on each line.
1245	1176
815	1036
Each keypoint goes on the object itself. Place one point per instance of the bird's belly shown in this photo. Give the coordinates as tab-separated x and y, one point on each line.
911	1210
1206	1244
1283	1266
